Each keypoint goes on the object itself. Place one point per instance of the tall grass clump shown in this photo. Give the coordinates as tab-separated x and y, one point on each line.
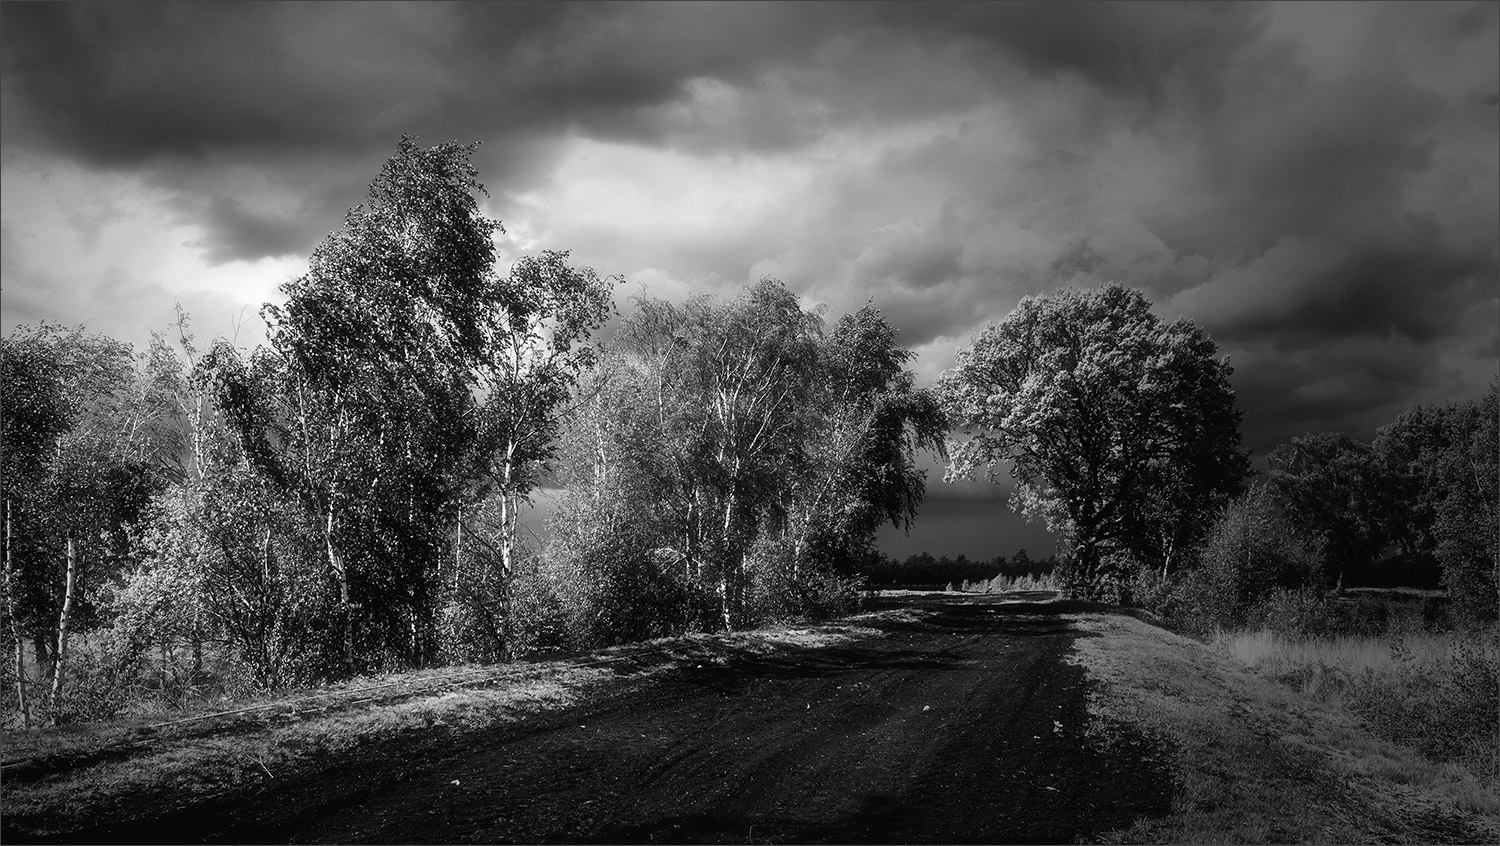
1438	693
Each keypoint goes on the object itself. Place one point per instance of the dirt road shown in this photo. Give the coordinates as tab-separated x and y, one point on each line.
963	726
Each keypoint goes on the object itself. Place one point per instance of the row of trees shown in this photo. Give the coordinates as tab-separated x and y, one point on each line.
1418	500
922	569
1122	433
732	458
1416	506
345	498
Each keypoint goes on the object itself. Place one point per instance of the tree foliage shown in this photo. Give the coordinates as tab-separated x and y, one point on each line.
539	350
89	438
363	410
1250	550
1121	429
755	452
870	422
1334	489
1441	467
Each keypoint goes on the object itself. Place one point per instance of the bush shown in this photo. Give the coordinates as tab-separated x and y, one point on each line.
541	620
1437	693
1253	565
93	688
1025	582
1159	594
1201	606
815	591
615	586
471	622
470	627
1435	617
1296	614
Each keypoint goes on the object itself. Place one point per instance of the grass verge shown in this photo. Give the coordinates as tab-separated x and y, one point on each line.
1257	762
1438	693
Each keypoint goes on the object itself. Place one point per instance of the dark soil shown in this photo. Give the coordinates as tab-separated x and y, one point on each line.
967	726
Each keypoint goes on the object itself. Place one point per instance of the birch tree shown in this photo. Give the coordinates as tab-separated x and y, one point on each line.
733	381
376	354
87	446
540	348
868	423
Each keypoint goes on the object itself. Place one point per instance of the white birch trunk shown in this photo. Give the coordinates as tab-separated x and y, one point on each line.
15	628
64	620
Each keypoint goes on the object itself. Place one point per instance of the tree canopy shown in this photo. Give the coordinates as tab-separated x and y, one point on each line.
1121	429
753	452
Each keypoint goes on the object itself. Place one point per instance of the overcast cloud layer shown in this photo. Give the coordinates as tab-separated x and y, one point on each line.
1316	185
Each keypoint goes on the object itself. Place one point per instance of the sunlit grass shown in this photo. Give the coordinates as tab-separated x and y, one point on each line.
1259	762
1269	652
1438	693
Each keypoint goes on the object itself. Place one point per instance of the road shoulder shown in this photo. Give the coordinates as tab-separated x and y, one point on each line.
1258	763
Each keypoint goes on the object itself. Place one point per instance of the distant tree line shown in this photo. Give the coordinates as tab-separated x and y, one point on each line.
923	570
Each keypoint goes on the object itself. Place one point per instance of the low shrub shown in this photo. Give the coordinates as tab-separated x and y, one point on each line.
1296	614
93	689
614	588
1028	582
776	597
1160	594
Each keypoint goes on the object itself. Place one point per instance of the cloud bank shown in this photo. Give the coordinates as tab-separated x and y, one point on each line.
1314	184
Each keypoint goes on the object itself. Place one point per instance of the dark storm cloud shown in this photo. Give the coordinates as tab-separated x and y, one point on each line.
126	83
1351	214
1150	50
232	232
1314	184
161	85
1312	293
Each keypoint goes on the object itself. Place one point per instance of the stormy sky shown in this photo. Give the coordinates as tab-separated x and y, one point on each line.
1314	184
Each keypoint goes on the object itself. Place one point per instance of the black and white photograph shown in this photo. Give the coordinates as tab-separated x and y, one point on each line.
1064	421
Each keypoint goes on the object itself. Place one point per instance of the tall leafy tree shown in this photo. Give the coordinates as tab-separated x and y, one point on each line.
372	366
540	348
868	422
1467	528
1250	550
225	555
1441	467
729	383
1411	451
87	444
734	445
1335	490
1121	428
617	552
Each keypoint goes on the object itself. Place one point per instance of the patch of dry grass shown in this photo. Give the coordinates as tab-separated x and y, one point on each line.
1257	762
1268	652
1436	692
